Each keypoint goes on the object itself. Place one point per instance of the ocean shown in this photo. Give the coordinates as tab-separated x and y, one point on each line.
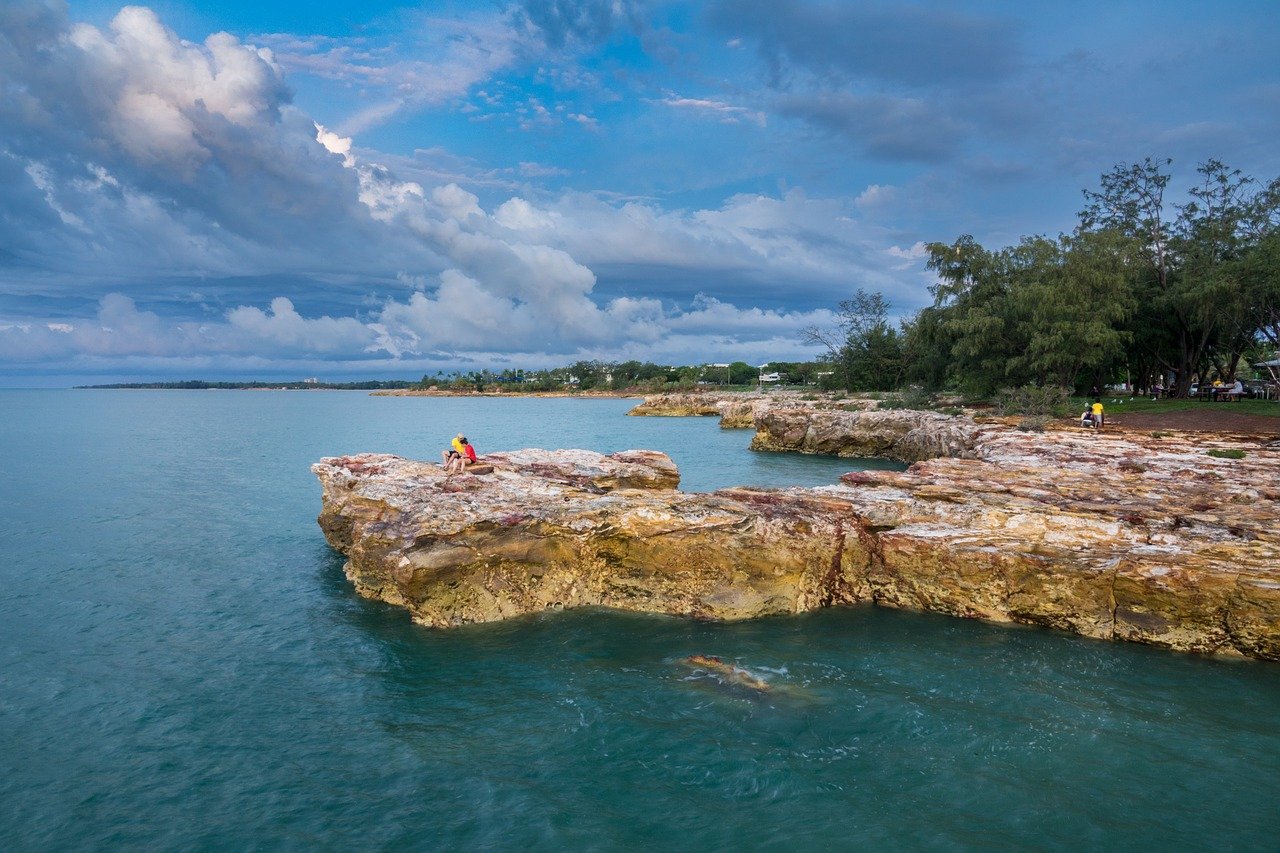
183	665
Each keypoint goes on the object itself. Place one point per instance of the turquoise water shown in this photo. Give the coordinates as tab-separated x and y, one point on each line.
183	665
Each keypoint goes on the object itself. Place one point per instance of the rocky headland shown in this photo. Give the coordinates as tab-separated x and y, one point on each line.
1124	537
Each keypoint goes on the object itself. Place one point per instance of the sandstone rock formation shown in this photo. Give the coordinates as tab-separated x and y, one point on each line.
1128	538
683	405
572	528
741	409
741	413
893	434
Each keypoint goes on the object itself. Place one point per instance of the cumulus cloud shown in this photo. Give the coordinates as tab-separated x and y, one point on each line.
179	156
130	157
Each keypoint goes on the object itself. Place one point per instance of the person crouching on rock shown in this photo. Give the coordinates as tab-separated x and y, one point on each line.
462	455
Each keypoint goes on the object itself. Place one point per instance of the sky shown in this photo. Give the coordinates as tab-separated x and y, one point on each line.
280	190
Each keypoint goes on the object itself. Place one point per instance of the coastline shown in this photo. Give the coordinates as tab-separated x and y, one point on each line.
1163	539
586	395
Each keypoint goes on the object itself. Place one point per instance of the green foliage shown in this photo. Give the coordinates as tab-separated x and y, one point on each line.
864	350
1034	401
1231	453
1141	290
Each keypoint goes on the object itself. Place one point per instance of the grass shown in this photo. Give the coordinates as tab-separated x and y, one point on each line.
1119	405
1231	453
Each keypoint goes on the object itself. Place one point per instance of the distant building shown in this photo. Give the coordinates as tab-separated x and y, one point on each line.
311	381
770	377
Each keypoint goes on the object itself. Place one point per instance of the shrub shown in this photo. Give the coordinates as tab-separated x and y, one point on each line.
1232	453
1043	401
1034	423
915	398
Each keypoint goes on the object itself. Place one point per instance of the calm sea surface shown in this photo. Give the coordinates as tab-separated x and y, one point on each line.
183	665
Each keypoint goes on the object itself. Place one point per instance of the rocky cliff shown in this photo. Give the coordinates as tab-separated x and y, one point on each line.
1141	539
893	434
570	528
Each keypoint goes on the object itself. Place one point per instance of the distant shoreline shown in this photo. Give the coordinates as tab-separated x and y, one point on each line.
601	395
377	391
203	385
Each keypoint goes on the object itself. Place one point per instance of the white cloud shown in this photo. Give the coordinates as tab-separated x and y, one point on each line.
727	113
186	161
445	57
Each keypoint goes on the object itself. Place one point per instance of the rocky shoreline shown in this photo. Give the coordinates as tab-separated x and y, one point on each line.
1135	537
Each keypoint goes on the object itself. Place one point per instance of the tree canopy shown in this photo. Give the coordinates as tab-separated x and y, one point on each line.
1142	289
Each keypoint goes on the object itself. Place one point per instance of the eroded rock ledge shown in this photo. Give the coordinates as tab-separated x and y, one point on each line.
902	434
739	409
1140	539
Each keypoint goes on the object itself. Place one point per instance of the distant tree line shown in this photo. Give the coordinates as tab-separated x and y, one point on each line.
639	376
202	385
1141	290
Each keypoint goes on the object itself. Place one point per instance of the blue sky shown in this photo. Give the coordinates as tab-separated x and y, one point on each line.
277	190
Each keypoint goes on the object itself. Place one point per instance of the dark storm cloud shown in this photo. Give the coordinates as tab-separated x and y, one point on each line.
901	44
884	127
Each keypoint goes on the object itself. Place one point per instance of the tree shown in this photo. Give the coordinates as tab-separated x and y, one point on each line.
864	349
1073	303
1198	301
1130	202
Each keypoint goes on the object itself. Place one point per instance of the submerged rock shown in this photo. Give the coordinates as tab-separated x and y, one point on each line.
1140	539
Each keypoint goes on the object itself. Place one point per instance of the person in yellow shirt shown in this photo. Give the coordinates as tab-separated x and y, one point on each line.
457	450
1096	411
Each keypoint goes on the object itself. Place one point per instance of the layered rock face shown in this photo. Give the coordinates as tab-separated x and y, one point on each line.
1134	538
739	409
570	528
1147	540
681	405
905	435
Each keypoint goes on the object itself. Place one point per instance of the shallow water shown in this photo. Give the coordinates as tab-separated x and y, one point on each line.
182	664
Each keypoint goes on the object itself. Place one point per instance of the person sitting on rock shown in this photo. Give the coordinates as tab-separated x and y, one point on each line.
456	450
463	456
1086	419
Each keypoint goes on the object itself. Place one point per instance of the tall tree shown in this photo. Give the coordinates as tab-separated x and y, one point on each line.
864	349
1130	202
